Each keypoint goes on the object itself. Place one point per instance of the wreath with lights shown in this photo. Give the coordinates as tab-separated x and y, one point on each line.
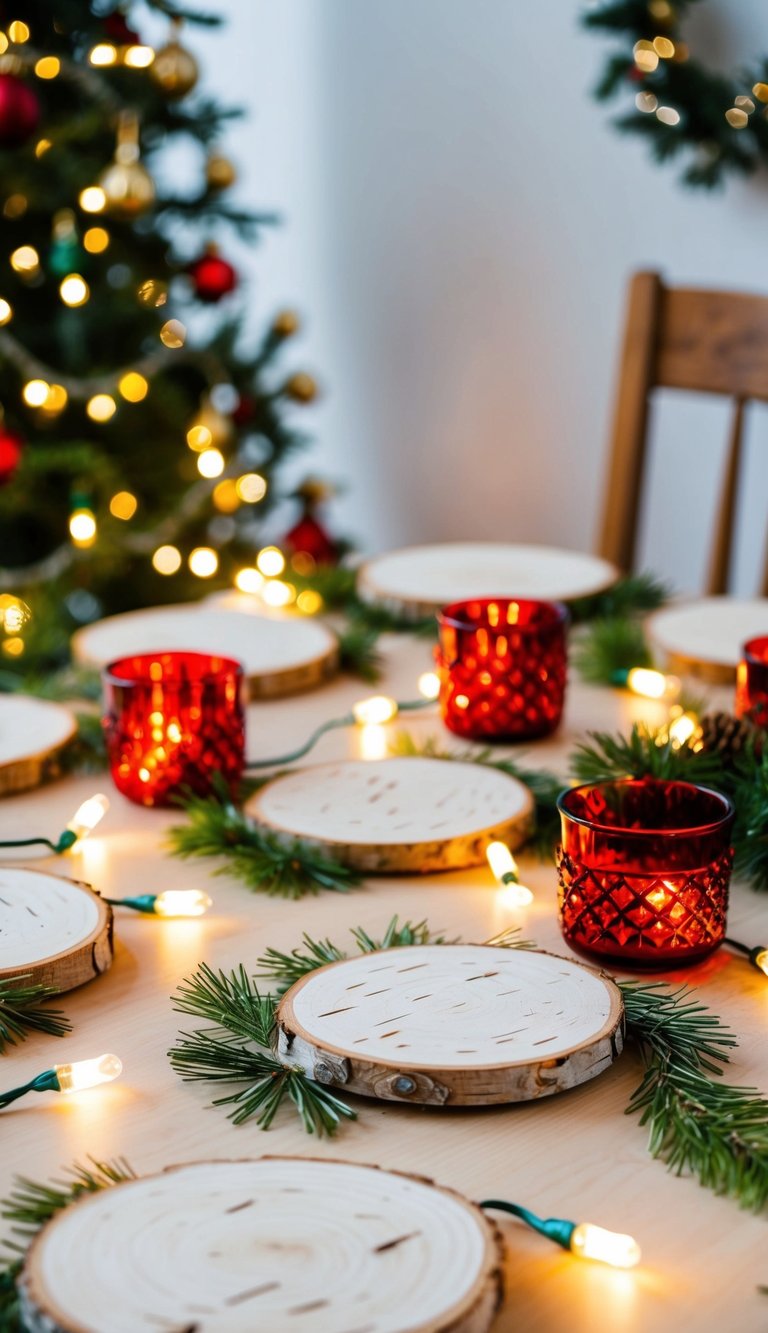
716	123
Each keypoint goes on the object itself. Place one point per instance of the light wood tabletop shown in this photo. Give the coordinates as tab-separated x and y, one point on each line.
575	1155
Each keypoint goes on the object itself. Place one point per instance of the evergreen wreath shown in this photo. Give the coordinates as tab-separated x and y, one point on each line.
717	123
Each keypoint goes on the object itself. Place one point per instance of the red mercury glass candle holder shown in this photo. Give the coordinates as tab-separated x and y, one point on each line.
502	665
752	682
173	721
644	868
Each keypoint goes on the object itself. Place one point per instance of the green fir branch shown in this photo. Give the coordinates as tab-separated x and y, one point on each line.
283	970
545	787
608	647
358	651
87	751
22	1011
630	595
607	758
262	861
749	792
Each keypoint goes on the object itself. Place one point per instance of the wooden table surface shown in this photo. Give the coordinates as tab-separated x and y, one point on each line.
575	1155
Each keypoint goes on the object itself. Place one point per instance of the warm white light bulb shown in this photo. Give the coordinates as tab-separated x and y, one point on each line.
683	729
505	871
761	961
182	902
608	1247
379	708
88	1073
652	684
88	815
429	684
270	561
249	580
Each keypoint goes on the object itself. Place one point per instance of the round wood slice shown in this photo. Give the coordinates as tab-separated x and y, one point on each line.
280	654
33	734
418	581
705	638
276	1245
453	1024
397	815
54	931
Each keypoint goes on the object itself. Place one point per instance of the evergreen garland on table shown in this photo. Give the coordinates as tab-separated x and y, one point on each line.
23	1011
682	108
698	1125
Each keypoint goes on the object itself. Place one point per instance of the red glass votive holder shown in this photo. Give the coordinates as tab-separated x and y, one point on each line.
172	721
752	682
502	665
644	869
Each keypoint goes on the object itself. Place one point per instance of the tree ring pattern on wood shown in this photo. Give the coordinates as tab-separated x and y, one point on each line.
276	1245
461	1024
54	931
399	815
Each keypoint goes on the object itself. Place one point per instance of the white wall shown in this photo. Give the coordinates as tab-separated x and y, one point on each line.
460	223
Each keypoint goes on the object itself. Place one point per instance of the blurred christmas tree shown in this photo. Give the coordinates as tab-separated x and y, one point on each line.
136	460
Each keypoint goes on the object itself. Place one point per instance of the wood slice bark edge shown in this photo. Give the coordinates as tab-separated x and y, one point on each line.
79	963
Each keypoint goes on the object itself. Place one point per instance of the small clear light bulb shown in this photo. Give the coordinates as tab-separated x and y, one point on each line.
88	1073
88	815
377	709
652	684
760	959
607	1247
429	685
505	871
182	902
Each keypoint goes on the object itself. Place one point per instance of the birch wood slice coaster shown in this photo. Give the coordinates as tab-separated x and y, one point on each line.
280	655
33	734
54	931
276	1245
418	581
397	815
705	638
452	1024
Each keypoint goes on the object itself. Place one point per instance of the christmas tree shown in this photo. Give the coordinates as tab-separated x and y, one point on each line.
138	452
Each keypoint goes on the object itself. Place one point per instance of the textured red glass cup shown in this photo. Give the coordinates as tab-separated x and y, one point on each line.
502	665
172	721
752	682
644	869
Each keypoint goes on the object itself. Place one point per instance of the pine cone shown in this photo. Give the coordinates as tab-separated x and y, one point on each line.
725	734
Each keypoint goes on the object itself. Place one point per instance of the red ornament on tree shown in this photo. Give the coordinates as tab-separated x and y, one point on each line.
245	411
11	446
117	30
212	276
308	537
19	111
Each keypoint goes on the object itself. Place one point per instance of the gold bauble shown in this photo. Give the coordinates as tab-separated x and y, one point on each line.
219	172
220	427
175	70
129	189
301	387
286	324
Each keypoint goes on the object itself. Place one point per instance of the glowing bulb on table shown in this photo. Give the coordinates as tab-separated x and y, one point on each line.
182	902
276	593
505	871
652	684
682	729
88	815
376	710
249	580
608	1247
88	1073
429	684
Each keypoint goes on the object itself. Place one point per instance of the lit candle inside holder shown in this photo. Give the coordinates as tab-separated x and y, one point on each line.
173	722
502	666
644	868
752	682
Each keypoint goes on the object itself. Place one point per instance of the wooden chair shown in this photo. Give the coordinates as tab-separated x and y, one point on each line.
682	338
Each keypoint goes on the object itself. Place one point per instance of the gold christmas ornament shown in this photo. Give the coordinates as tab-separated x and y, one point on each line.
127	186
220	173
286	324
210	429
174	69
302	388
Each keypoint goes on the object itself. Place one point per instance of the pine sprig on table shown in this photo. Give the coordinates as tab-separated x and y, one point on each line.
22	1011
631	595
239	1047
30	1205
715	1131
749	792
261	860
606	757
87	751
544	786
609	646
284	969
358	652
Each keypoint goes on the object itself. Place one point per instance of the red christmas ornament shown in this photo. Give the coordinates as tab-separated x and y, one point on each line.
212	276
308	536
245	411
117	30
10	454
19	111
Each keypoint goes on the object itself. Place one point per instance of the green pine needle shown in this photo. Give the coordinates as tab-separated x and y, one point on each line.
631	595
262	861
358	651
609	646
284	969
22	1011
544	786
749	792
606	758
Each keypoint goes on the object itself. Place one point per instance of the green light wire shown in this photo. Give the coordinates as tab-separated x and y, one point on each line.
48	1081
144	902
554	1228
348	720
65	840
